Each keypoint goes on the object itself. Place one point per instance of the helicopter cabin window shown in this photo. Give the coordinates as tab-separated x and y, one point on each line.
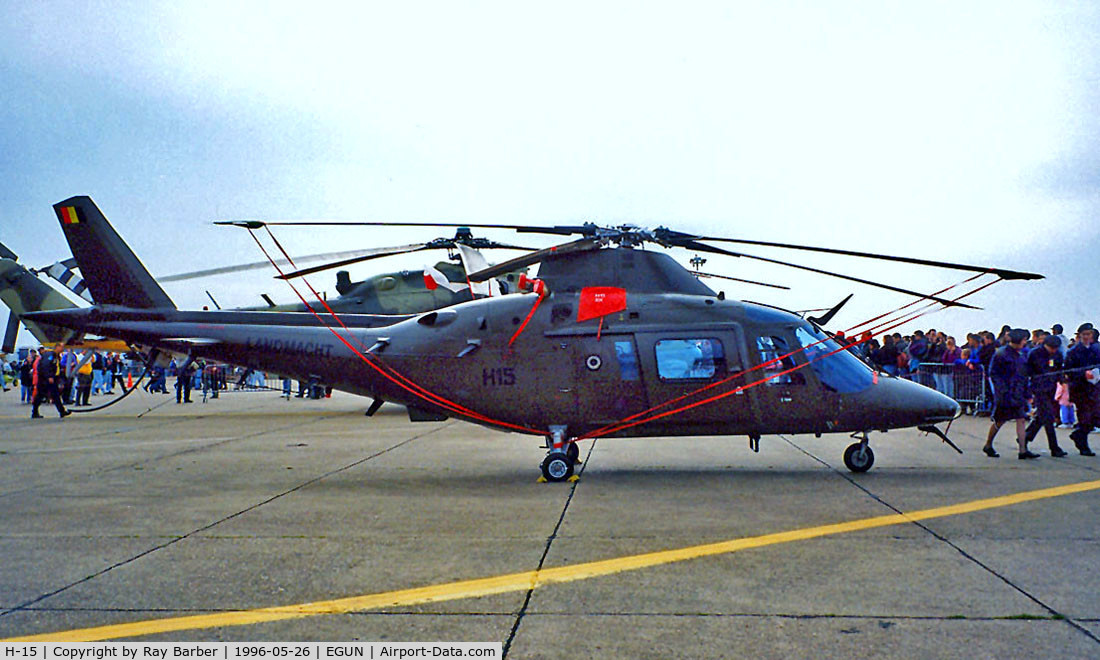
679	359
837	369
774	355
628	360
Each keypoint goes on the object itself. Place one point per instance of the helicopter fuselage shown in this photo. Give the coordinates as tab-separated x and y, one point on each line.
764	370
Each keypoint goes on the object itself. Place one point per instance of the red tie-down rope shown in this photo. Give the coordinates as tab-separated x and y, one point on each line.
759	366
384	370
539	288
617	425
422	392
628	423
417	390
607	430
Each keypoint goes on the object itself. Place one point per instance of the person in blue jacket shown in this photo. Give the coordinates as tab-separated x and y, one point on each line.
1082	364
1008	372
1044	366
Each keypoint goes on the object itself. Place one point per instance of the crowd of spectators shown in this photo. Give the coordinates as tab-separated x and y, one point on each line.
936	359
1017	374
76	375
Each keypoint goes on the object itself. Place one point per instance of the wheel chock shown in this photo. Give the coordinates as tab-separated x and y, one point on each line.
541	480
573	479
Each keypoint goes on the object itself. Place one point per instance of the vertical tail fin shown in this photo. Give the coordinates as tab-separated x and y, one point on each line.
113	273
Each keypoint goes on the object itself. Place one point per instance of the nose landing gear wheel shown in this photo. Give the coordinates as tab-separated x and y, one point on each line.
573	452
557	466
858	457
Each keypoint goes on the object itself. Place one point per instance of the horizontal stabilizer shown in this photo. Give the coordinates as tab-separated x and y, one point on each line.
69	280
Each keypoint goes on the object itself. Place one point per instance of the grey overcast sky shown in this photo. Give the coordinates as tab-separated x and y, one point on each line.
956	131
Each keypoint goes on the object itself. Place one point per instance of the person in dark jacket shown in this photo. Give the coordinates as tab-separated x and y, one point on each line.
1008	371
1044	365
985	358
184	376
48	372
26	378
887	356
1081	360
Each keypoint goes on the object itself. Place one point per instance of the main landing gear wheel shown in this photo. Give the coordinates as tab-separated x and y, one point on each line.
573	452
858	457
557	466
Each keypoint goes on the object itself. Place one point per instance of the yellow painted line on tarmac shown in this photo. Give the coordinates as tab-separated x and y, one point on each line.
514	582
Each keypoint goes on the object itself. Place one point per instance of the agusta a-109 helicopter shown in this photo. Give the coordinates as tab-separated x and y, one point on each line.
612	340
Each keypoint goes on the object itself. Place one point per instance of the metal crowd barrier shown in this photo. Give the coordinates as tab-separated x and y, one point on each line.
969	387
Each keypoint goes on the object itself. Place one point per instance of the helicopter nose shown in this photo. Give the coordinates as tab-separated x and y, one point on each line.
903	403
938	407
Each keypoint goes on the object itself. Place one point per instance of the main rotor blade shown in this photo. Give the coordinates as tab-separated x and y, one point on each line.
703	247
999	272
558	230
256	224
579	245
493	245
738	279
265	264
377	253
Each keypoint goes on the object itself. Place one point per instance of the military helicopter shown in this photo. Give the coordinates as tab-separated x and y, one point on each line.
611	340
402	292
22	291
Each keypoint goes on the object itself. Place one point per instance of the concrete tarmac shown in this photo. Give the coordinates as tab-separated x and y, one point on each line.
169	521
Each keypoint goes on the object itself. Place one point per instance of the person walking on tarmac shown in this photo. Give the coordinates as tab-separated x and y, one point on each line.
1083	367
1044	366
1008	371
184	376
115	369
26	378
47	374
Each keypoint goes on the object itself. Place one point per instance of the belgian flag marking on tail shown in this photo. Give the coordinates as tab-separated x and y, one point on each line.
71	215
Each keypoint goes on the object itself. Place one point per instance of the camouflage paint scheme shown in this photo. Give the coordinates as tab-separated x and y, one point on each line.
401	292
22	291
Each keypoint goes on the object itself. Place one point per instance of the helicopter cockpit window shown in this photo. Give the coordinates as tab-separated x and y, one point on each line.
774	354
837	369
679	359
